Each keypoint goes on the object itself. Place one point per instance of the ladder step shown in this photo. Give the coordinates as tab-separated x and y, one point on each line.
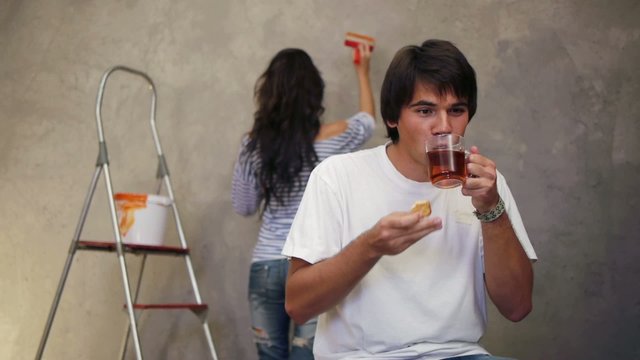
132	248
188	306
200	310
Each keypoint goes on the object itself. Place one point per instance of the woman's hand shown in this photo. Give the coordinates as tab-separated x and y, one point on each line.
367	104
362	66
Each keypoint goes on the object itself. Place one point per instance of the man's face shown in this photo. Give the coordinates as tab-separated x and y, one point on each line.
428	114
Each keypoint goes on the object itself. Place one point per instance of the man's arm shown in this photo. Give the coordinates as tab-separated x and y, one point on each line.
508	271
315	288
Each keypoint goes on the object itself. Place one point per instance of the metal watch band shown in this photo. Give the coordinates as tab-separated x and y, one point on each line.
491	215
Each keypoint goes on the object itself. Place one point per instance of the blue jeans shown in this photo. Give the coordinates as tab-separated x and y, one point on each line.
271	324
479	357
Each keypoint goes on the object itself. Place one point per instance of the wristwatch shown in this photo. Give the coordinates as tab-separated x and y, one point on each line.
492	214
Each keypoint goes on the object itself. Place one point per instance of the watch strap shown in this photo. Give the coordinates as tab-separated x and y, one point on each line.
492	214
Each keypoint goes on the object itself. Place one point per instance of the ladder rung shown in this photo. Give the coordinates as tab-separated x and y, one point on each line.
132	248
187	306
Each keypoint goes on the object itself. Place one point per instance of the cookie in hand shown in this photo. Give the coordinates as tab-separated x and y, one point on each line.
423	207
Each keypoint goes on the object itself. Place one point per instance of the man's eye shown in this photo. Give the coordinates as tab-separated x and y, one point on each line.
425	111
457	111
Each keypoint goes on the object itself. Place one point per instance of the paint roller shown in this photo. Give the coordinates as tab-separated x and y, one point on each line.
354	39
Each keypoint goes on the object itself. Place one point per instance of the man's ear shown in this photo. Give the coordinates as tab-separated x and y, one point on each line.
391	124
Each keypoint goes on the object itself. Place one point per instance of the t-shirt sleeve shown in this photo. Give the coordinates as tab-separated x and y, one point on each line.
245	192
514	216
315	232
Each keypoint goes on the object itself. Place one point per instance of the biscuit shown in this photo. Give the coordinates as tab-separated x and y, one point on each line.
424	207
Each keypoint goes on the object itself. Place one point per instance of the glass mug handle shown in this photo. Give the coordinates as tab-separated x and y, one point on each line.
467	153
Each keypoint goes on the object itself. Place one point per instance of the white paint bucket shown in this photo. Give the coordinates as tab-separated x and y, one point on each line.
142	217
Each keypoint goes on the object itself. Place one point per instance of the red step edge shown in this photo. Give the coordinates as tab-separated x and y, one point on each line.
189	306
111	246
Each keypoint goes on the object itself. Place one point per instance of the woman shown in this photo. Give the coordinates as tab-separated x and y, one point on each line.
286	142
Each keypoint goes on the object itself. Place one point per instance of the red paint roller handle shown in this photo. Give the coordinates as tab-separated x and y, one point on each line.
354	44
356	53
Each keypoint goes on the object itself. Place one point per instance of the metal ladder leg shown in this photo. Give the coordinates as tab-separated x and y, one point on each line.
164	172
67	265
125	340
123	264
104	160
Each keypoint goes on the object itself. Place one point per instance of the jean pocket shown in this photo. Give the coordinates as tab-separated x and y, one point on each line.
258	278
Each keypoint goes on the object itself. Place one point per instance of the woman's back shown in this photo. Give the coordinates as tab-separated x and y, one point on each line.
276	158
278	216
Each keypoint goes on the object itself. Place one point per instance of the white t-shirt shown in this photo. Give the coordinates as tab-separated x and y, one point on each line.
425	303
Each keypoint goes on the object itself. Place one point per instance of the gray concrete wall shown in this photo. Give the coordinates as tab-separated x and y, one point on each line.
558	111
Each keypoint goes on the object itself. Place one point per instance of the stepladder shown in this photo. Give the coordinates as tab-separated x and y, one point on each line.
124	249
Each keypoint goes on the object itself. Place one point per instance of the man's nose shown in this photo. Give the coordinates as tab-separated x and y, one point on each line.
443	125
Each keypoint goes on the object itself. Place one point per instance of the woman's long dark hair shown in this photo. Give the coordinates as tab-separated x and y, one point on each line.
289	101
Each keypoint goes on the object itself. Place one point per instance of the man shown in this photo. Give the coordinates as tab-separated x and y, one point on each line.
392	284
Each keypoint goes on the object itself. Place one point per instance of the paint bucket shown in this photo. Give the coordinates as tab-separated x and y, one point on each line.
142	217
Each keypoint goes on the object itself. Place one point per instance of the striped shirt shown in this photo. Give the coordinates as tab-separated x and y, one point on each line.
247	196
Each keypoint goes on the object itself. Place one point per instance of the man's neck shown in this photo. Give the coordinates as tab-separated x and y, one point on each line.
407	166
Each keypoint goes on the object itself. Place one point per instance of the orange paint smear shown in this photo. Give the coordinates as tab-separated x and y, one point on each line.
127	205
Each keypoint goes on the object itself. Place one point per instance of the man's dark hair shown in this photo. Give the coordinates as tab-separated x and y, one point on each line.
436	63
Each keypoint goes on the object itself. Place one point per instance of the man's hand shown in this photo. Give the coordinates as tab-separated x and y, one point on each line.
395	232
481	183
315	288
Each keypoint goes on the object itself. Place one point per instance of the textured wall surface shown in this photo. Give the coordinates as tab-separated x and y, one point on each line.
558	112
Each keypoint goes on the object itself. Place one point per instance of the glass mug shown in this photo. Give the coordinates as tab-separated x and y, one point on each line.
447	160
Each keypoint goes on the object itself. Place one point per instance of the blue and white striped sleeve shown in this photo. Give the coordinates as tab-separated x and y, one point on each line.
245	192
359	130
